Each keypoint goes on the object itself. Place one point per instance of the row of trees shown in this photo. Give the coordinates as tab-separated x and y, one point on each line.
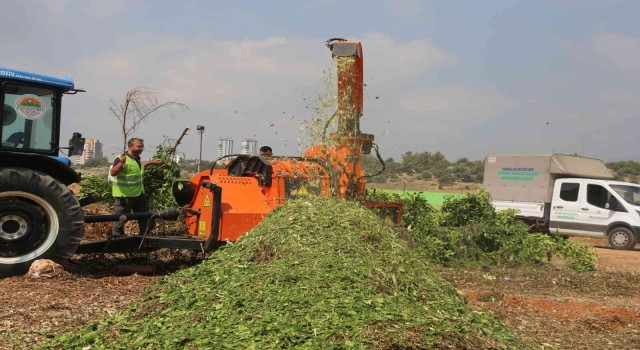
626	170
420	166
427	166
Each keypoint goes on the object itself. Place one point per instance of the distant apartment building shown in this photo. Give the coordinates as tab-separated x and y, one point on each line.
225	146
92	149
249	146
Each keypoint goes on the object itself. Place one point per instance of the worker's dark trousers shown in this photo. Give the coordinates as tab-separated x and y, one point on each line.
125	205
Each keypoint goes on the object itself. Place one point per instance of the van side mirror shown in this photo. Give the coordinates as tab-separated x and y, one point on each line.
615	205
76	144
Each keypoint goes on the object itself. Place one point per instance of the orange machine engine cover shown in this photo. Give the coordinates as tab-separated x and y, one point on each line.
251	188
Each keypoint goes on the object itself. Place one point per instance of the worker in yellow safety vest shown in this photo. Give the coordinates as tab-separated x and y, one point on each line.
128	186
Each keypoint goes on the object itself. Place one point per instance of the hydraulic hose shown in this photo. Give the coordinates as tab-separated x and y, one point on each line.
375	147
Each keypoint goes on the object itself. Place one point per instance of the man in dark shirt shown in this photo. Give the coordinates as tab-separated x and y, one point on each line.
266	151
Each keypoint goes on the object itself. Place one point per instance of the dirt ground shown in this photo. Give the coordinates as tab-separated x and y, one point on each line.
552	307
556	308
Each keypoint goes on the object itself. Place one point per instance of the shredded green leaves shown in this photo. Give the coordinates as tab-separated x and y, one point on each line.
317	273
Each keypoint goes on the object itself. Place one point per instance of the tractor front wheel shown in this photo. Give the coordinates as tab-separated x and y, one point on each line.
39	219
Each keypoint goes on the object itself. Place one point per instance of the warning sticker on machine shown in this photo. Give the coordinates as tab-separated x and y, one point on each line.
30	106
302	191
207	201
202	228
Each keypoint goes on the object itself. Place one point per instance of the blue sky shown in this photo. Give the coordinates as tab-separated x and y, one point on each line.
466	78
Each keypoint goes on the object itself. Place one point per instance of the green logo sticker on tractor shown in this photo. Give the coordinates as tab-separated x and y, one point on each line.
517	174
30	106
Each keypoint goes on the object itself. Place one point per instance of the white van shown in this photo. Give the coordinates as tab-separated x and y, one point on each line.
567	195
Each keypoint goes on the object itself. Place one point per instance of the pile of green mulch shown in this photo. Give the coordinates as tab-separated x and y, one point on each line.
317	273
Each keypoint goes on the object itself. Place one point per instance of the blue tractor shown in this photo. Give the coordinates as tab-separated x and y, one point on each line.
39	216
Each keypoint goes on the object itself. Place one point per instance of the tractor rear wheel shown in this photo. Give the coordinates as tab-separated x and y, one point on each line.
39	219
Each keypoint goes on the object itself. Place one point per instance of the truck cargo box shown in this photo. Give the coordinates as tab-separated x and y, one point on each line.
530	177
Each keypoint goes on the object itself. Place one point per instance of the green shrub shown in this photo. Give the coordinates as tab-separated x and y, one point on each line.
158	179
97	187
468	209
527	249
467	231
580	255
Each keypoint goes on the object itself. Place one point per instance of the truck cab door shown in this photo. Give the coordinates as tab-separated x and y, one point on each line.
599	208
565	207
583	208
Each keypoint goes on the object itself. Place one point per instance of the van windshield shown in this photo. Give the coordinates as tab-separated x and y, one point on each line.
631	194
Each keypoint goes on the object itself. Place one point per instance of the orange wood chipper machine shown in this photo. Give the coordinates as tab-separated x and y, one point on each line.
219	205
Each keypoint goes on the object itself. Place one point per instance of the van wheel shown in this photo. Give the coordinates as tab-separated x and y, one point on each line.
622	238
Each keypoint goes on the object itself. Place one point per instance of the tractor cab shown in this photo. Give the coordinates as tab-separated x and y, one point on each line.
40	218
31	105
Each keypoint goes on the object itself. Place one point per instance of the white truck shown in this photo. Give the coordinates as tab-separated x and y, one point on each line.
568	195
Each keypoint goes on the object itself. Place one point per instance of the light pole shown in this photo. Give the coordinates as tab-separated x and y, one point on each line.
200	129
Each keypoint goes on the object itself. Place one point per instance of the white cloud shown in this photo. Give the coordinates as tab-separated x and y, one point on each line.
391	62
202	70
621	50
58	10
199	70
239	88
404	8
234	88
456	103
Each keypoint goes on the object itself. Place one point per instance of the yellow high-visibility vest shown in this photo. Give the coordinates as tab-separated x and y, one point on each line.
128	182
